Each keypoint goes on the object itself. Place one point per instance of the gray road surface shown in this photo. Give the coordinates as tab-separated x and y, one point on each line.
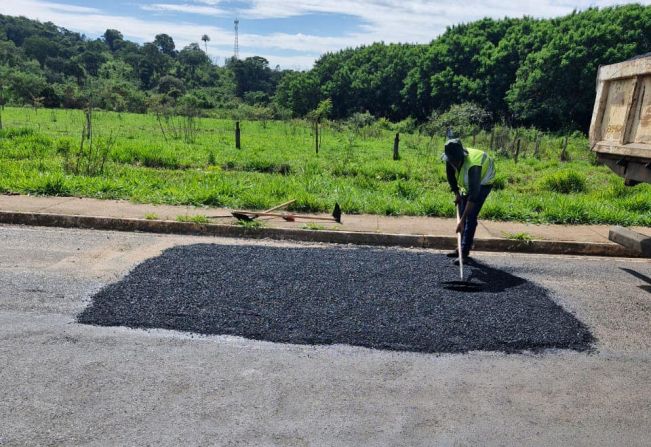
62	383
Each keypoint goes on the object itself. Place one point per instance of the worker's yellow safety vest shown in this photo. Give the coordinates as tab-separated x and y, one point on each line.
476	157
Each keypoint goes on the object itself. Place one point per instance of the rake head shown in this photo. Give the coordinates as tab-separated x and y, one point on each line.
337	213
242	216
463	286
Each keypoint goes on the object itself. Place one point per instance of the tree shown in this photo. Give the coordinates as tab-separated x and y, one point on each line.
40	48
322	111
116	69
205	38
9	54
171	86
24	86
554	86
523	71
151	65
92	60
299	92
114	39
253	74
165	44
192	58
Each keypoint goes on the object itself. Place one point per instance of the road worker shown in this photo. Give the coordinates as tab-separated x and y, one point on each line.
470	173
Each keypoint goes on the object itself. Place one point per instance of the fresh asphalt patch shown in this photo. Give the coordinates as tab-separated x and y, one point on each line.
376	298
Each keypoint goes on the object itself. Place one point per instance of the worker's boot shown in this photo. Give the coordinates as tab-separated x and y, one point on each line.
453	254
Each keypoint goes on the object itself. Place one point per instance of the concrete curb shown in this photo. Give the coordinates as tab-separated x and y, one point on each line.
336	237
632	240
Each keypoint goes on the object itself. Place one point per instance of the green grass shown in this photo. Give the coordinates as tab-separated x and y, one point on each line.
198	219
314	227
250	224
151	216
564	182
522	236
277	163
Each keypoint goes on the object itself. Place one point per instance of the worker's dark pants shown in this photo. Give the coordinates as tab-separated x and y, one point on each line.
470	226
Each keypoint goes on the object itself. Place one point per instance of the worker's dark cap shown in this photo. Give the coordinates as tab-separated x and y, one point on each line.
454	151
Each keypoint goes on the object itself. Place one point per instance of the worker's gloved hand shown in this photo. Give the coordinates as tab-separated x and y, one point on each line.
457	198
460	227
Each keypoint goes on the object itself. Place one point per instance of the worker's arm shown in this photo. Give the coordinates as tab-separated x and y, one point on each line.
452	181
474	188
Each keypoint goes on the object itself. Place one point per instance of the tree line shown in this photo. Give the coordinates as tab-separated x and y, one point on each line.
525	71
532	72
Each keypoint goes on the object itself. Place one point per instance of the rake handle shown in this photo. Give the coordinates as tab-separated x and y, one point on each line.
459	245
282	205
285	215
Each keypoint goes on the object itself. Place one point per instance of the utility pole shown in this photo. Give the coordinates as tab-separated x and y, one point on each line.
236	47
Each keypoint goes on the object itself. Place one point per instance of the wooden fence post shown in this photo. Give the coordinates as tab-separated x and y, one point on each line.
517	150
237	135
536	150
564	156
492	138
396	147
514	142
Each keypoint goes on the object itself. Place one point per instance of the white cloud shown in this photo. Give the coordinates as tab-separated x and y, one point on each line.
415	20
94	22
381	20
185	8
70	8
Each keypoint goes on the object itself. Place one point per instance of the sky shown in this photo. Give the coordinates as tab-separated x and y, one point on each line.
289	33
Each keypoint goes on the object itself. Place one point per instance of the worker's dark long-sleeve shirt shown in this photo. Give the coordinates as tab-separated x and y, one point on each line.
474	181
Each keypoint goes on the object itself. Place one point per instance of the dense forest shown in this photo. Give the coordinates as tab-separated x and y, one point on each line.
533	72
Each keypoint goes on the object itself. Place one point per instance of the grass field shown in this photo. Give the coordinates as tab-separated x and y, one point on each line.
277	163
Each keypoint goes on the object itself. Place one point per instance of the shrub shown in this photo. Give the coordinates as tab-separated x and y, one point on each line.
499	182
564	182
638	204
212	160
463	119
384	124
360	120
16	132
51	185
64	146
408	125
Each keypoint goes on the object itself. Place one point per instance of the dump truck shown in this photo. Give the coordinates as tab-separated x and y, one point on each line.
620	131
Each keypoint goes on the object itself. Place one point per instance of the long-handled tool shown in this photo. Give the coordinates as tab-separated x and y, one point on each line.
463	285
249	216
459	245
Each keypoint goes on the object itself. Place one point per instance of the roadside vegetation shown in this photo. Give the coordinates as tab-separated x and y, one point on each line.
39	151
523	71
152	123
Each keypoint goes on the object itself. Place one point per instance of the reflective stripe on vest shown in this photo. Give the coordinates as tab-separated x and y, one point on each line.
476	157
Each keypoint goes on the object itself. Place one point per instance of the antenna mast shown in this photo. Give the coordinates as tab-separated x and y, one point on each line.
236	48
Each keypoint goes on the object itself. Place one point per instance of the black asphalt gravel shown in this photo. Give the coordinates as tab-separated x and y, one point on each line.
377	298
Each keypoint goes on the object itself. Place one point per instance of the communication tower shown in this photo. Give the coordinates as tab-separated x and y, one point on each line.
236	52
